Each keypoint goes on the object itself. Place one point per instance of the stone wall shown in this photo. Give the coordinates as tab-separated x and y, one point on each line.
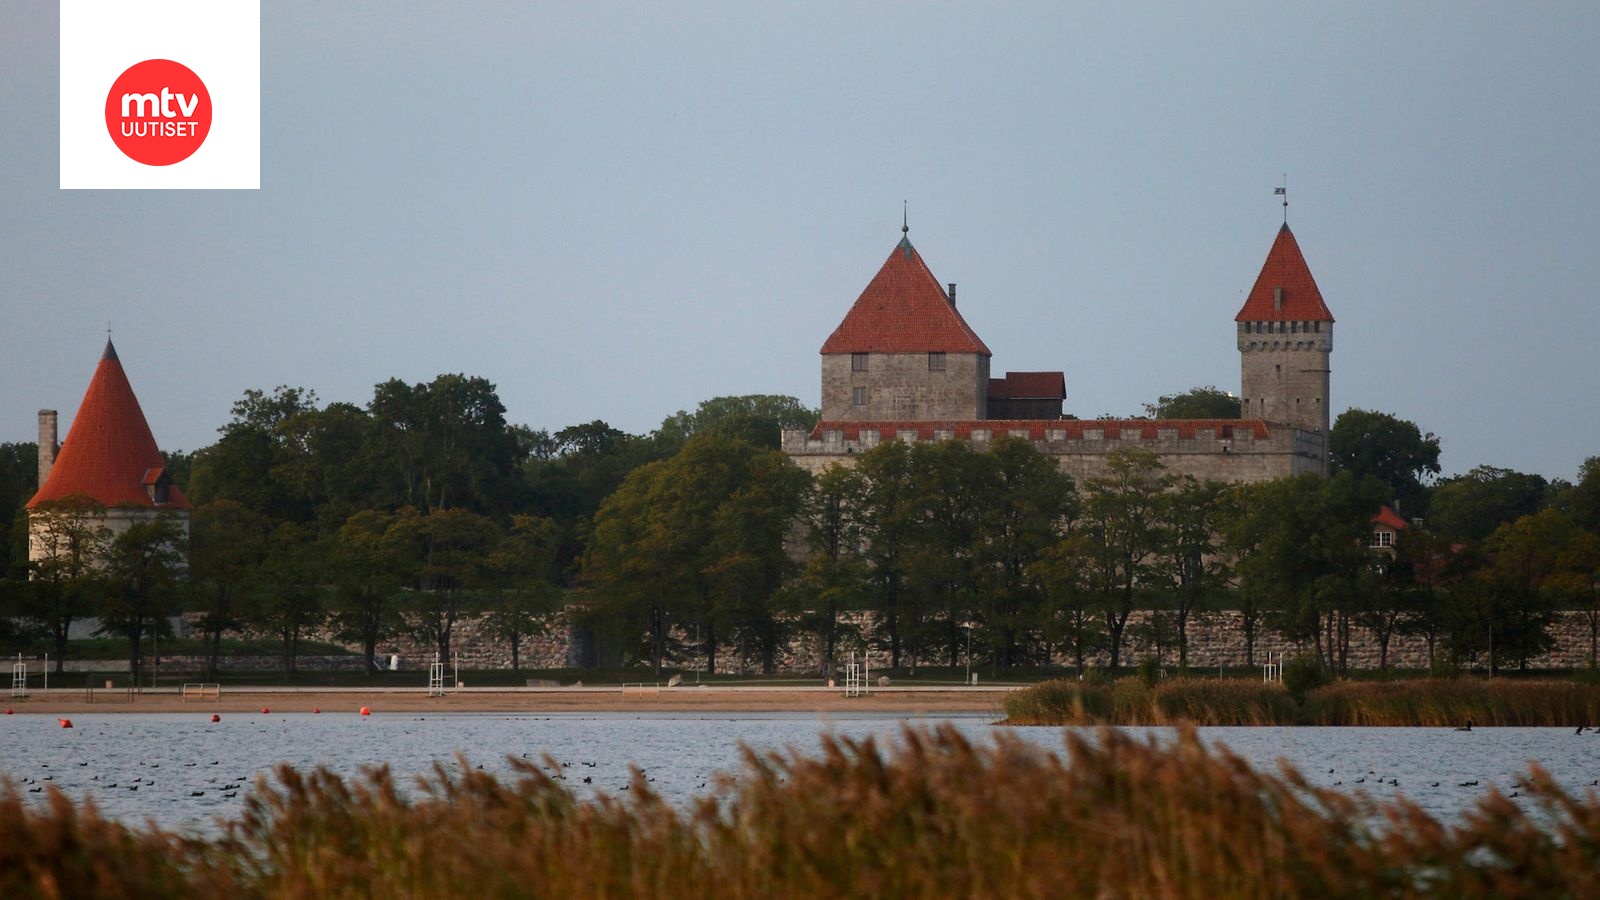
899	387
1248	452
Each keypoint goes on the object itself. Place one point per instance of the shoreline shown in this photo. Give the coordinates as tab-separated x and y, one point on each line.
920	700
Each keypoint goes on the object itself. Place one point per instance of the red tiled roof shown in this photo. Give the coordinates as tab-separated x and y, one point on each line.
903	310
1387	517
1285	268
109	452
1029	386
1112	429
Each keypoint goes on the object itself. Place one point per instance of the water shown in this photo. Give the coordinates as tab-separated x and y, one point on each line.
178	770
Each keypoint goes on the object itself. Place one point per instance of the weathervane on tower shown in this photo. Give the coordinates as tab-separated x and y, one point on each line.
1284	193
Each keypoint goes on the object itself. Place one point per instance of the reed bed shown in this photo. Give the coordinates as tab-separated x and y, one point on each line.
1113	815
1432	702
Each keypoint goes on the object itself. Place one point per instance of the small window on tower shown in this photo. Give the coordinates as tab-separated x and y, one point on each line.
858	362
858	396
935	362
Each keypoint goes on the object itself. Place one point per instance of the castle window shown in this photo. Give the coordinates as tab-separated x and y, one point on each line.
935	362
1294	327
858	362
1382	539
858	396
1319	327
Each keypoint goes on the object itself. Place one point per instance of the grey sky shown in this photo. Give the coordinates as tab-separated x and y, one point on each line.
618	212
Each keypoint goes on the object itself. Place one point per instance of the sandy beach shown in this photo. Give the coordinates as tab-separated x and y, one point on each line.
916	701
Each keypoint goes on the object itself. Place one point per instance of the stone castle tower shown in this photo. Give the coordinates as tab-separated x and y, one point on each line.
1285	336
109	457
903	353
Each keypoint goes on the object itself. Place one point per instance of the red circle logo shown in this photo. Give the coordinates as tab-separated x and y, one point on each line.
158	112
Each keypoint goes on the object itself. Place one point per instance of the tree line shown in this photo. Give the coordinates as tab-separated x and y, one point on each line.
672	547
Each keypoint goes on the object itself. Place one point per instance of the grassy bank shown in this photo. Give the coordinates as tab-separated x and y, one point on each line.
940	817
1210	701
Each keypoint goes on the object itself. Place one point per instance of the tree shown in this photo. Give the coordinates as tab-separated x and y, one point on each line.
1030	502
756	418
242	465
1393	451
67	575
1191	565
445	556
523	574
1582	502
1520	588
696	542
889	514
366	574
1302	546
1207	402
447	440
228	544
1470	507
1069	617
143	567
835	576
289	599
1123	533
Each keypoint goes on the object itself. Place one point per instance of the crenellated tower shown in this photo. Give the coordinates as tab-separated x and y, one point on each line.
1285	337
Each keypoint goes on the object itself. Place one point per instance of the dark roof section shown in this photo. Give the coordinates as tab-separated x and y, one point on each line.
1073	429
904	309
1285	268
110	452
1029	386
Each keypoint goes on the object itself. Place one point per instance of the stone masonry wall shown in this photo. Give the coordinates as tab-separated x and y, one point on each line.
899	388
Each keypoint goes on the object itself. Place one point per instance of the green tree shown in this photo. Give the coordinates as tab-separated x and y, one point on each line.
1207	402
1191	564
756	418
1123	534
143	568
523	575
696	542
447	441
242	465
1302	549
1393	451
367	576
1070	617
1470	507
445	557
67	574
1520	588
289	598
1030	503
890	513
835	575
228	544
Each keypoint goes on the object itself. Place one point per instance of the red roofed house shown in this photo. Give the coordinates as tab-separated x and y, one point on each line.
904	364
1386	528
109	457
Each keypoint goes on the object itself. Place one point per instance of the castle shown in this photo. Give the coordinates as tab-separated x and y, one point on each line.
904	365
110	458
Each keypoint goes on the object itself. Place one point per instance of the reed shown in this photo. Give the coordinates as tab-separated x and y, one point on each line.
1112	815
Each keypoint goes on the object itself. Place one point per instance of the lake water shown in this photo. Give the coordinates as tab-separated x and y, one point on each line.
178	769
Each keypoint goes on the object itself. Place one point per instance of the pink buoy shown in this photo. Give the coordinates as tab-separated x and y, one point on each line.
365	711
315	710
264	710
216	718
65	723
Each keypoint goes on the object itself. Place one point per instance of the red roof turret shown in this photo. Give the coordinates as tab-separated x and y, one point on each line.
904	310
109	454
1285	290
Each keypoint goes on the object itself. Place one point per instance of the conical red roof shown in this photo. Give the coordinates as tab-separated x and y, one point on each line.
904	309
1285	268
109	455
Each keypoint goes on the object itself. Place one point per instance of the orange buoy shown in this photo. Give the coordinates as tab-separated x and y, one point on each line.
365	711
316	709
264	710
216	718
65	723
8	712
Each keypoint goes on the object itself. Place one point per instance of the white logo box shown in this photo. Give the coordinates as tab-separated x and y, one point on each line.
219	39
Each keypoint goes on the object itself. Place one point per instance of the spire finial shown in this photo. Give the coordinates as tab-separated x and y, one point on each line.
1284	193
905	217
